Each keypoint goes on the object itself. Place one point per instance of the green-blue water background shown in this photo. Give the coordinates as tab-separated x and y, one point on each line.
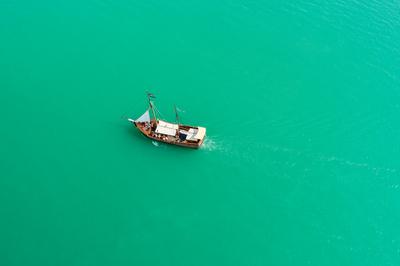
301	100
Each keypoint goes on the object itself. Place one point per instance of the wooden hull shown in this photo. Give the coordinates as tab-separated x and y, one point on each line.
148	132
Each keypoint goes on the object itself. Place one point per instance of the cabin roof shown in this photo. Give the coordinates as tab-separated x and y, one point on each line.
201	132
196	133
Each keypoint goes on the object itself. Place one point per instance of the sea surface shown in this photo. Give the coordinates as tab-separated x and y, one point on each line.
301	165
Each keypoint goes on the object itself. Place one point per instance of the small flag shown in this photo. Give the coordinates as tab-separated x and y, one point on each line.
151	95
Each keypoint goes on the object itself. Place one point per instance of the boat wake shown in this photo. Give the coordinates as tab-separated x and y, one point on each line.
209	144
323	159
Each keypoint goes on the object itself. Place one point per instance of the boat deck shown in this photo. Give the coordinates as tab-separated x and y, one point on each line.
149	131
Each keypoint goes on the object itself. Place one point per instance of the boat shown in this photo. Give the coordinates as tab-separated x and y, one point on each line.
150	125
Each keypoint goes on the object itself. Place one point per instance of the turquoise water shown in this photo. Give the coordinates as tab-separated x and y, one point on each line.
301	102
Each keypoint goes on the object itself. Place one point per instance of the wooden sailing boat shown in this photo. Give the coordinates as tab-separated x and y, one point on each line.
172	133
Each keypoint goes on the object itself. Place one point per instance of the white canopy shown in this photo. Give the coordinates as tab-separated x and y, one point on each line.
162	123
191	133
165	130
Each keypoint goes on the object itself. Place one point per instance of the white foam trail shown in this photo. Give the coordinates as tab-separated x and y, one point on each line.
332	159
210	144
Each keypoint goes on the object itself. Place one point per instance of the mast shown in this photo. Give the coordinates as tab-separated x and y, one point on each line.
176	114
149	97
